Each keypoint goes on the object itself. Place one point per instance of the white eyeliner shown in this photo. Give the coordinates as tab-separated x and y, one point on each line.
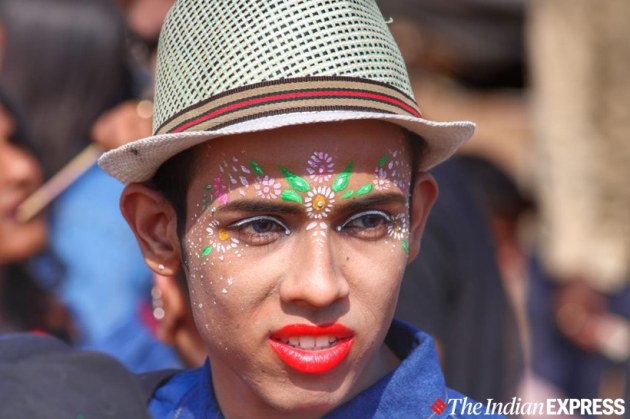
260	218
387	217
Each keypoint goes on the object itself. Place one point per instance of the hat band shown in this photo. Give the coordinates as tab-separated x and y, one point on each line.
307	94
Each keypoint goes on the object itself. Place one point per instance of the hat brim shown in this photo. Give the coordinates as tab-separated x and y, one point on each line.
139	160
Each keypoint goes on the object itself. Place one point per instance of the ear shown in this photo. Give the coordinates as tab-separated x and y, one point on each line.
424	193
154	222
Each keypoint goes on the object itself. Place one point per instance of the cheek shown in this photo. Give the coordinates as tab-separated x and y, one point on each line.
374	273
224	289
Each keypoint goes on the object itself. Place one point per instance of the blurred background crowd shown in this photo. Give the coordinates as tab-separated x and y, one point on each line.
523	278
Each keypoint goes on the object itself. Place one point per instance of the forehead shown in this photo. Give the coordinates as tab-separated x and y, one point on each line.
359	141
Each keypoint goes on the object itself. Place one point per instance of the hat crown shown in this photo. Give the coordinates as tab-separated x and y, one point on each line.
209	47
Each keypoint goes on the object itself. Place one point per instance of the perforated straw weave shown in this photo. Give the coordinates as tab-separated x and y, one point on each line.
230	66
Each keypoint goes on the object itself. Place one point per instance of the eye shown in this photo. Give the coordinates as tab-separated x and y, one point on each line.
367	225
260	230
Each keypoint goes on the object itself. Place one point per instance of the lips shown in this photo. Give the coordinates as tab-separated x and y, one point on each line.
312	349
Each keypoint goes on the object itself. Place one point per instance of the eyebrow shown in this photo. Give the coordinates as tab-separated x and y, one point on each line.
356	204
371	200
250	205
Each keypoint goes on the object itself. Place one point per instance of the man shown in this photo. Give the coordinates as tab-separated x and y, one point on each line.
285	181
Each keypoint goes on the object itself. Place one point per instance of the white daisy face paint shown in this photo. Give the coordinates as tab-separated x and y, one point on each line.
312	224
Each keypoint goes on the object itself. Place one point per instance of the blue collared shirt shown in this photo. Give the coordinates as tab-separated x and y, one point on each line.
409	391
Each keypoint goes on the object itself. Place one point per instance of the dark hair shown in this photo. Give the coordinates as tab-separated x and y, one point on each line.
25	304
64	64
19	135
174	176
499	194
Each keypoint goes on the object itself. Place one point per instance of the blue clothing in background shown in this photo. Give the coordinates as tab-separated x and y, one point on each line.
106	279
407	392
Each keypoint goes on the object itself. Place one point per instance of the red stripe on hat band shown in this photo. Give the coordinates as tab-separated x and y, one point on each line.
292	96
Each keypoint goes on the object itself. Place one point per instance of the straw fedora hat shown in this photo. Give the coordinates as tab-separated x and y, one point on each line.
227	67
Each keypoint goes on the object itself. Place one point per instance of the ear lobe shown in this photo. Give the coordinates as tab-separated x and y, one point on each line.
154	223
424	195
174	305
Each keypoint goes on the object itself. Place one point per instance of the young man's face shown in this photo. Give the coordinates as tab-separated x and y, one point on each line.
295	244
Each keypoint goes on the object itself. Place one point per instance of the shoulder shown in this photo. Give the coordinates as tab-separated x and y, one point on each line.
179	395
44	377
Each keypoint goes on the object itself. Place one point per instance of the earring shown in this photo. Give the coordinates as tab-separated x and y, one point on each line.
161	267
157	303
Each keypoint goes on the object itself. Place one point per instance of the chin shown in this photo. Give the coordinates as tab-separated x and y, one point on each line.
310	396
306	404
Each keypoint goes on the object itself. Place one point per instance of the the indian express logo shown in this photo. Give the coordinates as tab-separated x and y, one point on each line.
548	407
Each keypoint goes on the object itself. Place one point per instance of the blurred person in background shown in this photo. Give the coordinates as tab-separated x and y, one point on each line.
579	53
64	64
454	291
131	119
25	305
460	53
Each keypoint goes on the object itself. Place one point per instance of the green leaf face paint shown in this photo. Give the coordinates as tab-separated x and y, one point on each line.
348	194
405	246
383	161
256	168
296	182
291	196
343	179
365	189
206	251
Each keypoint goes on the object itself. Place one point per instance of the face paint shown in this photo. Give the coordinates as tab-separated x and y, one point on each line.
320	167
319	202
267	188
318	198
391	169
398	229
223	240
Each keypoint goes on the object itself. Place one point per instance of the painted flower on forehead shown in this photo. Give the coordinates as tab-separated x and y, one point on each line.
320	167
267	187
398	228
381	182
319	201
391	170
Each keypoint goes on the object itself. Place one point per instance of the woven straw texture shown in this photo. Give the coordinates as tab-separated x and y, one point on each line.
227	67
209	47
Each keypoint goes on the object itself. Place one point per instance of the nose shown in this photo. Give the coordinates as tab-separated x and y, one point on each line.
315	279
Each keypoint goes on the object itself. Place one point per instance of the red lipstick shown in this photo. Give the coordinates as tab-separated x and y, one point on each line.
312	349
